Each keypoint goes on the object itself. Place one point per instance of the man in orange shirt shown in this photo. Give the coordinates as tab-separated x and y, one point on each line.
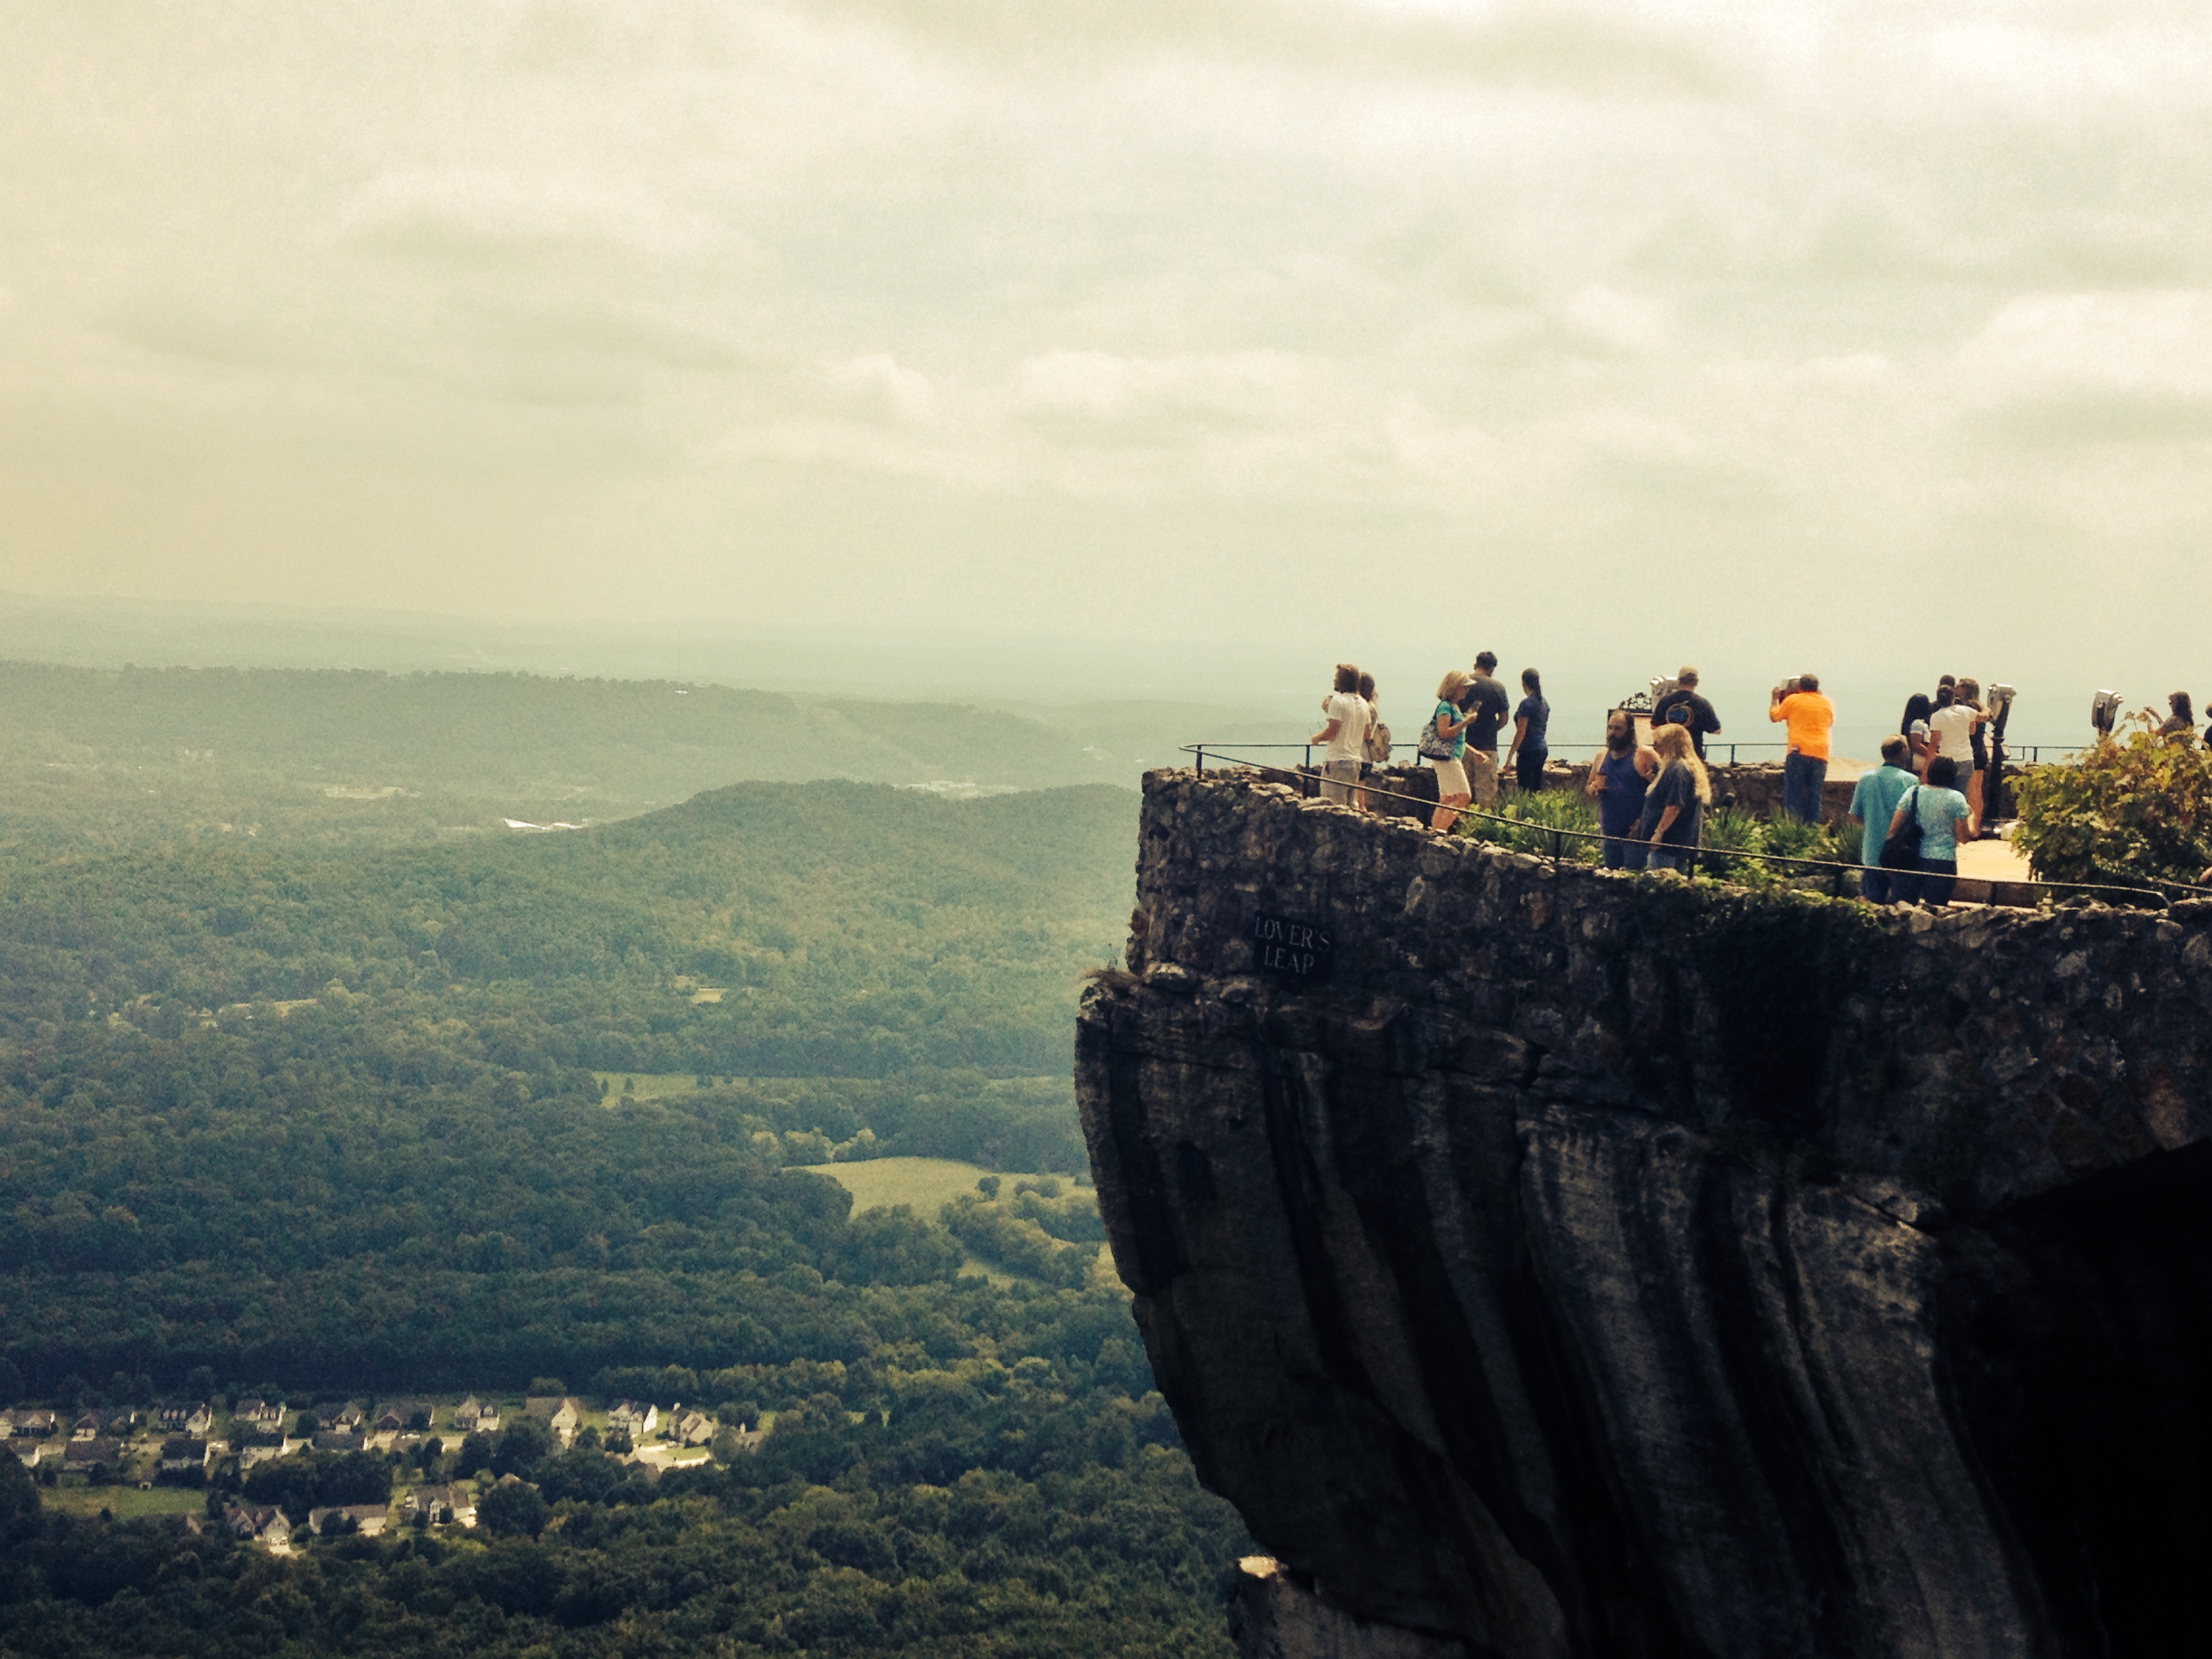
1805	767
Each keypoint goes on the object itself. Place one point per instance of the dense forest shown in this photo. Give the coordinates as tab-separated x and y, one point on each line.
316	1116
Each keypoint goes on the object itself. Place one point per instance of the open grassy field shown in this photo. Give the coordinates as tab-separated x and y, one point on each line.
926	1183
125	1503
646	1085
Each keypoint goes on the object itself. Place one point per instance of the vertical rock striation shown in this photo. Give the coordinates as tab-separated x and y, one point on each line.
1548	1262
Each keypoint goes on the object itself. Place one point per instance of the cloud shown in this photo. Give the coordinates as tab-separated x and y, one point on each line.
496	216
2099	368
875	382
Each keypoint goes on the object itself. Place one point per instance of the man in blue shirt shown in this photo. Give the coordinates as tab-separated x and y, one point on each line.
1872	803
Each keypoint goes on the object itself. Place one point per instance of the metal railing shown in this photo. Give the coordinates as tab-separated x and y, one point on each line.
1713	860
2013	752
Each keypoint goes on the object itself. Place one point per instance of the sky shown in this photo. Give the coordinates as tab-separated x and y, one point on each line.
1875	338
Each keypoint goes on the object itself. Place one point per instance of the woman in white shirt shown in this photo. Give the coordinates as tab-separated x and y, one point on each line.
1952	726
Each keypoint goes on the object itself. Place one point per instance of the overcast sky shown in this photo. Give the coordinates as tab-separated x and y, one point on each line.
1767	334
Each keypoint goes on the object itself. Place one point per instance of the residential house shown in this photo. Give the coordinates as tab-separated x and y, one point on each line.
260	1448
467	1414
187	1417
337	1440
389	1421
264	1414
31	1420
689	1428
81	1456
368	1519
28	1452
262	1521
633	1418
568	1418
440	1506
183	1452
89	1426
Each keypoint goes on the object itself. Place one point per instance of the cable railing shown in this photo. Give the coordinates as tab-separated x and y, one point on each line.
1714	860
2019	754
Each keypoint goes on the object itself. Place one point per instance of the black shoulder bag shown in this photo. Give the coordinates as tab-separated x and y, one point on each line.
1900	849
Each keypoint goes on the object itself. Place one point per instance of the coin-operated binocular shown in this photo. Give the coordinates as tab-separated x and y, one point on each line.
2105	712
1660	685
2000	697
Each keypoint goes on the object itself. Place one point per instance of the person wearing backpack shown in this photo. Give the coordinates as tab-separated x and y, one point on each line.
1937	809
1443	741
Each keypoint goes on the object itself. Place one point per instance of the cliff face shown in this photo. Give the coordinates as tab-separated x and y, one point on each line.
1547	1262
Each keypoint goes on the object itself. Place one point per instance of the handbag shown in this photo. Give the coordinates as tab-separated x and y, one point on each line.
1900	849
1433	745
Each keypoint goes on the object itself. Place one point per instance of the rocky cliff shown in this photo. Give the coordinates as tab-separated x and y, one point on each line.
1553	1262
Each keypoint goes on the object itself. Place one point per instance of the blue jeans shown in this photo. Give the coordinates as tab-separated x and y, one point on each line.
1665	855
1621	854
1876	884
1803	779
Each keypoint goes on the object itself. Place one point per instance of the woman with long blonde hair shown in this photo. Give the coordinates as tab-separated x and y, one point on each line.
1443	745
1674	806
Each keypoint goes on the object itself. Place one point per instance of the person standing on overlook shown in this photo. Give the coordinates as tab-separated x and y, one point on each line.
1810	718
1489	707
2182	721
1916	730
1619	778
1528	749
1346	734
1704	722
1939	809
1874	804
1673	809
1441	745
1376	749
1954	725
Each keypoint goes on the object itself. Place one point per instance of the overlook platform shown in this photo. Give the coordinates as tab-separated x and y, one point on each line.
1551	1261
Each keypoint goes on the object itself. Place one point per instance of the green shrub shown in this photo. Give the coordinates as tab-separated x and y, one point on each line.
2134	810
1529	820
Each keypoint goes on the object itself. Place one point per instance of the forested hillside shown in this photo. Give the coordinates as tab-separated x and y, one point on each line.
316	1118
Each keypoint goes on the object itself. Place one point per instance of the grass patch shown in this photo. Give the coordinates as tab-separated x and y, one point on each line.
646	1085
926	1183
125	1503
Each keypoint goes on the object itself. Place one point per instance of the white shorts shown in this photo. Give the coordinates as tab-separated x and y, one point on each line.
1338	779
1451	778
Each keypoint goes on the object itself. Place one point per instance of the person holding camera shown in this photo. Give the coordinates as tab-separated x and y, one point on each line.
1810	717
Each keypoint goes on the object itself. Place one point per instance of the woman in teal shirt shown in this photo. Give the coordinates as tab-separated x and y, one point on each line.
1939	809
1451	721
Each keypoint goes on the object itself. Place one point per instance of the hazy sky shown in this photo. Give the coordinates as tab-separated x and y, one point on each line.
1774	333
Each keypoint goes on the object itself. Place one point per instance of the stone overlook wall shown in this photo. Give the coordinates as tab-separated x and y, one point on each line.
1580	1264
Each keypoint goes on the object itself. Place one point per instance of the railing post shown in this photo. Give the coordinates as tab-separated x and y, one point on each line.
1201	760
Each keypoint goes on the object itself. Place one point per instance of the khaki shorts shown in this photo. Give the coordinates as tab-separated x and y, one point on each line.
1339	778
1451	777
1482	767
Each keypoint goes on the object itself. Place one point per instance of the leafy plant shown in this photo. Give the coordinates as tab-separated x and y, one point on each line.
1530	818
2135	810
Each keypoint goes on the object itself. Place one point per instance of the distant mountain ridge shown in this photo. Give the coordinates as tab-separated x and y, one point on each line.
132	754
